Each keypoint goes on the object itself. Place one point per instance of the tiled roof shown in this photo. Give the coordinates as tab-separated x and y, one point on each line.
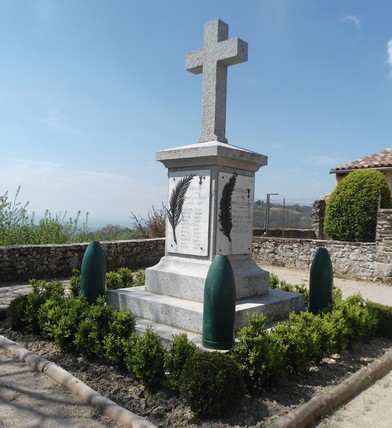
378	160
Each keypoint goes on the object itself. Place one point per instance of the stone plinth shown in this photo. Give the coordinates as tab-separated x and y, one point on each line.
216	218
187	315
210	211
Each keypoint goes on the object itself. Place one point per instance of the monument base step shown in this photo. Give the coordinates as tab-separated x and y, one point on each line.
188	314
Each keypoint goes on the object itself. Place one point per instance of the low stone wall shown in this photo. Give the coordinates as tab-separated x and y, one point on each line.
368	261
286	233
23	262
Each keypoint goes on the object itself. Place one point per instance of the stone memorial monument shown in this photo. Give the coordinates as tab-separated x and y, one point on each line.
209	211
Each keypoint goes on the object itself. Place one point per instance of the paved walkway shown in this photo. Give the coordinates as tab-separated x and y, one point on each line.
31	399
375	291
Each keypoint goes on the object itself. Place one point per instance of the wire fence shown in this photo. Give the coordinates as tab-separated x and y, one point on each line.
280	212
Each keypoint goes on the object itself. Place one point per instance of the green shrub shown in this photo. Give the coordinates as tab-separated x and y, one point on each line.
211	384
121	278
146	359
280	284
177	355
16	313
139	278
383	315
41	292
17	228
273	280
74	288
59	320
113	281
351	212
323	327
260	359
126	276
359	319
297	340
116	344
93	328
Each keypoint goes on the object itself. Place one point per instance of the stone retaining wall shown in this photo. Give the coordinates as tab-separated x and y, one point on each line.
22	262
368	261
286	233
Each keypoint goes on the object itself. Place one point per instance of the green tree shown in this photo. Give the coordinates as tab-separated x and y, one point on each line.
351	213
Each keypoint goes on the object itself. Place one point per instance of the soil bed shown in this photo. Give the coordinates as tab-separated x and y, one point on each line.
166	410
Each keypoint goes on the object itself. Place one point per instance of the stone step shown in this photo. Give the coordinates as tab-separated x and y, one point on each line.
188	315
166	332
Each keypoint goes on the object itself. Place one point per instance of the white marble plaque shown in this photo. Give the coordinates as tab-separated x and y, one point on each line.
235	214
188	212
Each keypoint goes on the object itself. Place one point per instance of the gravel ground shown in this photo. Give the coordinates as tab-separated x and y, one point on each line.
166	410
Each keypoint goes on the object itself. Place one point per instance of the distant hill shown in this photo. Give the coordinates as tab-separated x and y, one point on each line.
293	216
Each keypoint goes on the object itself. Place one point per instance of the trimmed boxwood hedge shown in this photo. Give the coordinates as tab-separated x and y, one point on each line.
351	213
210	383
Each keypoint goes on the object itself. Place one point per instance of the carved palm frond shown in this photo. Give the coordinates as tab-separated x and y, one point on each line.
225	205
176	202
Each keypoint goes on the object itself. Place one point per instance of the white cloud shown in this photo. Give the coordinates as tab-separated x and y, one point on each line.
58	124
321	160
352	19
389	52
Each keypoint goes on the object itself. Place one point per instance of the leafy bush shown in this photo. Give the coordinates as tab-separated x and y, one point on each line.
16	313
305	339
113	281
59	320
17	228
146	359
180	350
117	343
383	315
139	277
74	287
351	212
353	321
152	227
121	278
280	284
94	327
260	359
297	340
273	280
41	292
110	232
211	384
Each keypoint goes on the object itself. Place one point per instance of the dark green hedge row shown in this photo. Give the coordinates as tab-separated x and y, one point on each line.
211	383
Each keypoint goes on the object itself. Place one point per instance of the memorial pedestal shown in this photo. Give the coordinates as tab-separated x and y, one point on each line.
210	211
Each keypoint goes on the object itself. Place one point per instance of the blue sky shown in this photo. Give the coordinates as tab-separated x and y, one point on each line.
90	91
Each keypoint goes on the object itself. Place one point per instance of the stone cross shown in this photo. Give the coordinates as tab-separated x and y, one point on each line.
212	60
